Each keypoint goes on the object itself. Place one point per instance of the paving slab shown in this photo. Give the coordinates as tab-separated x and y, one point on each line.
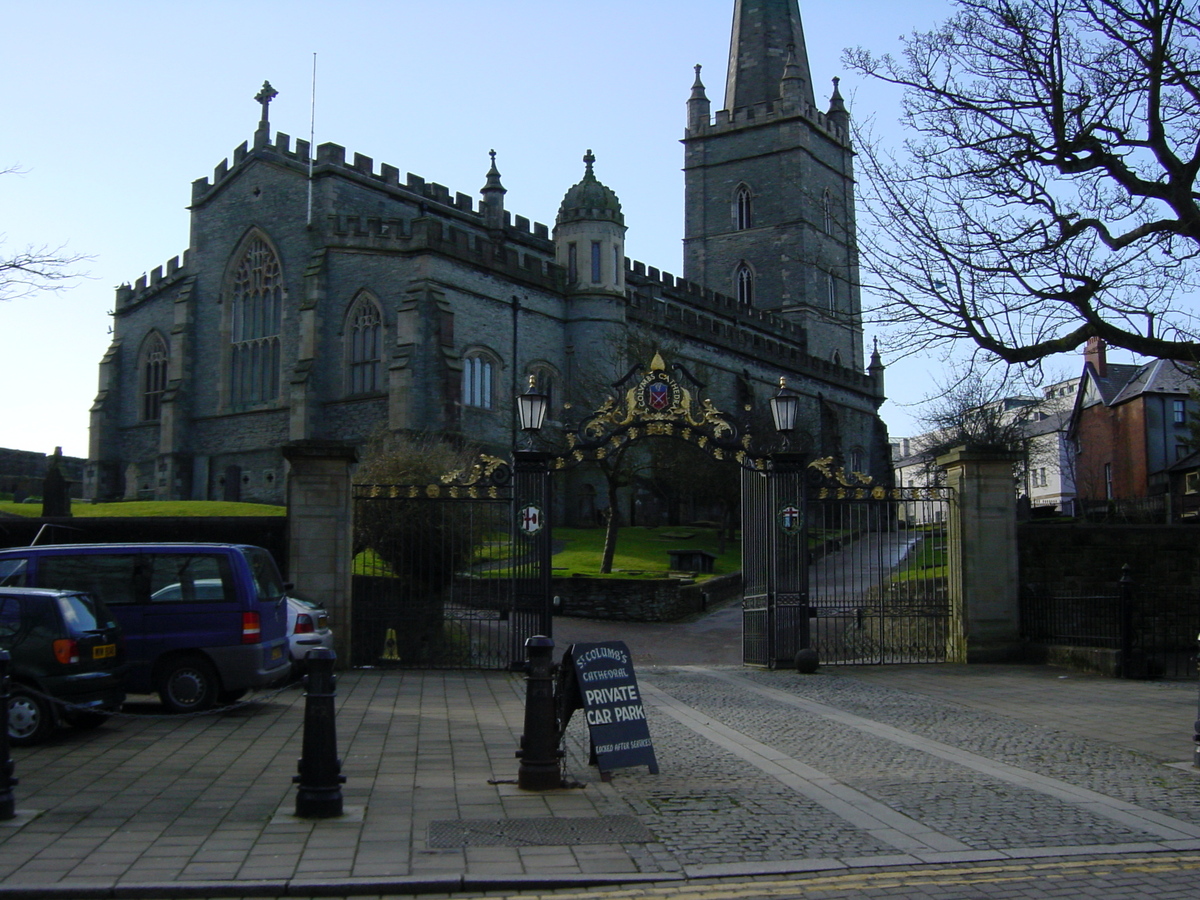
761	772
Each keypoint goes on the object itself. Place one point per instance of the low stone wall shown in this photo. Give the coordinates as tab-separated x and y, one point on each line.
641	600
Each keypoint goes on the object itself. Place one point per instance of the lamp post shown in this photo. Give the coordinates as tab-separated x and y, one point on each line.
532	491
531	408
784	407
789	562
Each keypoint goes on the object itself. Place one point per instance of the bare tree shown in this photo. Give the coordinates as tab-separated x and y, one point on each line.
1048	191
979	409
34	268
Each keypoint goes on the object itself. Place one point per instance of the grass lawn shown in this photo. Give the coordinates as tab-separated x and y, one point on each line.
641	552
83	509
927	559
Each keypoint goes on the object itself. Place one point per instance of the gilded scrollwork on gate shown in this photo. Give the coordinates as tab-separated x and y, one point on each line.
659	402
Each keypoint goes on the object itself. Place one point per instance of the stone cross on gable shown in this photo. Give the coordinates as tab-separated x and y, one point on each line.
265	96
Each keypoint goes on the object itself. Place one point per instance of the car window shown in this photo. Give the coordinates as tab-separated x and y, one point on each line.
13	572
189	577
83	614
266	574
115	578
10	617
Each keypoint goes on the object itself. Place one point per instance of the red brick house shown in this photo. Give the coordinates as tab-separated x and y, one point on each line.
1129	425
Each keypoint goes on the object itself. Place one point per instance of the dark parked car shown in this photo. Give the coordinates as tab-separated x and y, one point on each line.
204	623
64	645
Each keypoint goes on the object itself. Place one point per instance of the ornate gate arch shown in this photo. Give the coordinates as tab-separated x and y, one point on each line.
655	402
817	547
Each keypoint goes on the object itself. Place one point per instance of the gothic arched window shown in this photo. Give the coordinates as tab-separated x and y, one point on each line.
477	381
256	310
827	212
831	291
744	283
152	371
364	347
742	209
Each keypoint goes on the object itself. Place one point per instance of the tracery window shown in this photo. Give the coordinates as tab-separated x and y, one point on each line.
742	209
153	370
744	284
364	346
477	381
257	308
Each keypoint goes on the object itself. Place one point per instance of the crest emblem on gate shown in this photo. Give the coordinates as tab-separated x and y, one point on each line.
658	395
791	518
529	519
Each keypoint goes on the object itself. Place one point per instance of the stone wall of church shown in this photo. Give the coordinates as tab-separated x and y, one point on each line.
444	287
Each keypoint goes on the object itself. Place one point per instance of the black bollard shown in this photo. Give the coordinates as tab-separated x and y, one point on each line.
320	778
7	782
539	754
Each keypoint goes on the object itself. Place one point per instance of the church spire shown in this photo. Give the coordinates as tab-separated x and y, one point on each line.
758	52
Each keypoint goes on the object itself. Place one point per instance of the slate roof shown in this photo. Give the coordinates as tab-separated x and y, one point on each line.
1162	376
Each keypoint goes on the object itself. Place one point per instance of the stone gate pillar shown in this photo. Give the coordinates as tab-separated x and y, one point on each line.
983	550
321	529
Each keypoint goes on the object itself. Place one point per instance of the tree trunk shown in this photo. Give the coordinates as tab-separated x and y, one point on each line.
613	516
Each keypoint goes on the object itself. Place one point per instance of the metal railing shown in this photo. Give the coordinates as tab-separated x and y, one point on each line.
1150	630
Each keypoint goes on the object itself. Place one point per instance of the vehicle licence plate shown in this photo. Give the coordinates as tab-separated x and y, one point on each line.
276	652
104	651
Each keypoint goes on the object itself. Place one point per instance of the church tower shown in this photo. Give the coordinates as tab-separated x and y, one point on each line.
769	187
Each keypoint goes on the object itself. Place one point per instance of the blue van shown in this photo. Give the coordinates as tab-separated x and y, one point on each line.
203	623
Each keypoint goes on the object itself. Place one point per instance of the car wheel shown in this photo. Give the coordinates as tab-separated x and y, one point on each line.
30	718
86	721
188	684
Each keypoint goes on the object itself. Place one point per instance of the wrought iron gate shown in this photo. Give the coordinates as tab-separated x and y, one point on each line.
775	618
452	575
860	574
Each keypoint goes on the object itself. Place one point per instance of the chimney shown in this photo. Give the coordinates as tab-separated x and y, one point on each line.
1094	353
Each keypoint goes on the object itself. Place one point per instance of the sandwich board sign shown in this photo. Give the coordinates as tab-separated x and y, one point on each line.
599	679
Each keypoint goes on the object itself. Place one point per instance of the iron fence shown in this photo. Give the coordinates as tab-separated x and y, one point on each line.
879	583
1150	633
433	581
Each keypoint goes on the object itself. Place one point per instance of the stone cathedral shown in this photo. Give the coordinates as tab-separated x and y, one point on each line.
400	305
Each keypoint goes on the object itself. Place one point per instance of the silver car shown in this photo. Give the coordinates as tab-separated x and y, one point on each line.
307	629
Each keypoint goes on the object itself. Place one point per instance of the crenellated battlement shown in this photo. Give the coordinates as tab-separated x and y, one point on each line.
762	113
536	268
148	285
664	299
333	156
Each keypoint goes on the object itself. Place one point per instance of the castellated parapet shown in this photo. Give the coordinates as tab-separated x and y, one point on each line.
426	233
662	300
333	156
145	287
764	113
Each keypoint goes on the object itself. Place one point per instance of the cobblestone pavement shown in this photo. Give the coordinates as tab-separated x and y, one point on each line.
906	781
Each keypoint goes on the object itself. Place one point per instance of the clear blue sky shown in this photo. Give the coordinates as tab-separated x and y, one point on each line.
114	108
